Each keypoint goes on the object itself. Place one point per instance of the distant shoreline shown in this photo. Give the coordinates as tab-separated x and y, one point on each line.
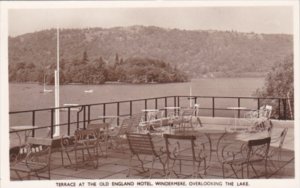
127	83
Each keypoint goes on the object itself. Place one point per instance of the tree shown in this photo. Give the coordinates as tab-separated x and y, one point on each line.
85	58
117	59
279	83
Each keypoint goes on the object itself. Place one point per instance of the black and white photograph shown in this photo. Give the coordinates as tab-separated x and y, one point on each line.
153	93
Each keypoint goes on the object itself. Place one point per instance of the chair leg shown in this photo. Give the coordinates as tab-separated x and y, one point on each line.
223	170
152	165
19	176
62	158
234	171
129	168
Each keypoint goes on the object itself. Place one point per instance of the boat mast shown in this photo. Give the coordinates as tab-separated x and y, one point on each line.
57	119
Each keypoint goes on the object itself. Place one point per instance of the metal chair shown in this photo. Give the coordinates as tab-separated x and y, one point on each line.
37	159
185	120
274	155
103	135
117	138
141	144
257	118
256	151
85	141
183	148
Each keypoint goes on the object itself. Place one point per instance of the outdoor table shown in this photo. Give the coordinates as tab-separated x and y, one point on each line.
235	113
150	113
208	133
27	129
175	108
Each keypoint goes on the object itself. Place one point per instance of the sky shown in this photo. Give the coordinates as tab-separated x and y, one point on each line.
258	19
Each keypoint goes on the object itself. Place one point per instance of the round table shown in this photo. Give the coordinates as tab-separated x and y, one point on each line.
236	109
150	113
26	128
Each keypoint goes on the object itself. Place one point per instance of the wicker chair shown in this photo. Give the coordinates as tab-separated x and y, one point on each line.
37	159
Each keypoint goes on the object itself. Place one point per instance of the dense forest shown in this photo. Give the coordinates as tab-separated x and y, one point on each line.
197	53
97	71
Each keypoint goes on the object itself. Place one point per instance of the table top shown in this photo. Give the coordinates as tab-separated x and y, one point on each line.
22	127
201	131
108	117
172	108
236	108
150	110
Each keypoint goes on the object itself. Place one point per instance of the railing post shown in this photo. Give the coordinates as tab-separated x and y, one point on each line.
130	108
89	113
239	105
145	107
174	101
69	120
166	104
33	123
258	104
52	123
118	112
284	109
279	109
104	112
84	118
155	103
213	106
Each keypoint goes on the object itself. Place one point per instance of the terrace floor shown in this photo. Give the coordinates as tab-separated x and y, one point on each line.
115	166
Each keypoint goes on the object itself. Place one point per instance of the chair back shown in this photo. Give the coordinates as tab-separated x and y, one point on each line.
282	137
125	126
39	150
140	144
135	120
91	135
101	129
187	114
258	149
265	111
180	145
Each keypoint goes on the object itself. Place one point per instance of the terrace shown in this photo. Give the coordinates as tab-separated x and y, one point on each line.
212	113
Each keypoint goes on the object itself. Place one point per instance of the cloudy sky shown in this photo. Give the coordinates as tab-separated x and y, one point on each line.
258	19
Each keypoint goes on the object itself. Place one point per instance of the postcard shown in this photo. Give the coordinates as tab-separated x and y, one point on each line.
149	93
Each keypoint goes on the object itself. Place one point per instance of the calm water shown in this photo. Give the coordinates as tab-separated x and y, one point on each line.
29	96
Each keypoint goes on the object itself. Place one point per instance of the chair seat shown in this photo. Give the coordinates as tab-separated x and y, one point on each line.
241	161
28	167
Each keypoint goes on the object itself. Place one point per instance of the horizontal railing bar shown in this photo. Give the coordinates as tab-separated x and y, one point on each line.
136	100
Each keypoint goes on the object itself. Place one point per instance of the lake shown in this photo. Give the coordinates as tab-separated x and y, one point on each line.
29	96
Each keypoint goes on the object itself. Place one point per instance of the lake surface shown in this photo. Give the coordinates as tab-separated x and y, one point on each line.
29	96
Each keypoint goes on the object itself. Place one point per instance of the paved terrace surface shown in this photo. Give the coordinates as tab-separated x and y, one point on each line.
115	164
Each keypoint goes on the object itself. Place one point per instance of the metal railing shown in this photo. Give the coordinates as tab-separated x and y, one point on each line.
211	105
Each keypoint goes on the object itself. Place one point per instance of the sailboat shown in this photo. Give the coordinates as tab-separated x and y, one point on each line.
89	90
46	90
